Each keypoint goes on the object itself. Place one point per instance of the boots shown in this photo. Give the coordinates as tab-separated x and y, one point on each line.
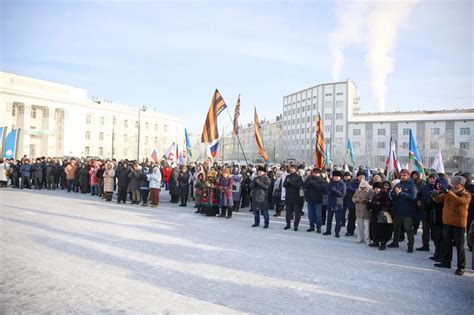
277	213
229	213
237	207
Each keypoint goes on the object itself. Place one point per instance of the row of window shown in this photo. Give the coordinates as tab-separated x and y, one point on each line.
309	98
406	131
433	145
125	123
327	129
125	137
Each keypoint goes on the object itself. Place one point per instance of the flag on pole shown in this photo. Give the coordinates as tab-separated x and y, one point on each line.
438	165
212	149
350	152
367	172
321	155
258	136
180	159
3	132
10	148
188	144
154	156
415	157
236	116
393	170
209	131
170	154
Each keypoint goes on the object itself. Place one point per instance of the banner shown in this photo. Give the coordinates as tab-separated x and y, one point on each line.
11	144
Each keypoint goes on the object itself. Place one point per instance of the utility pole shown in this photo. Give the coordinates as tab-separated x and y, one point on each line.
223	144
143	108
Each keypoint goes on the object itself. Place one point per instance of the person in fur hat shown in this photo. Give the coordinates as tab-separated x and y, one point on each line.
361	197
226	199
336	190
260	187
210	197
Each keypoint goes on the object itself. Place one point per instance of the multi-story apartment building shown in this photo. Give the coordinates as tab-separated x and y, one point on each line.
60	120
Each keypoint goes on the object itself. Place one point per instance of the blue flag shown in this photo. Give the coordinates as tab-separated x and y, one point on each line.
414	156
3	132
11	144
350	152
188	144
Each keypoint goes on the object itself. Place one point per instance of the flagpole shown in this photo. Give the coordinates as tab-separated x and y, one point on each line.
238	138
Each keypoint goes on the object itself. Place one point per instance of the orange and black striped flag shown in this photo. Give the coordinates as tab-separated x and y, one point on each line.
236	116
210	132
320	150
258	137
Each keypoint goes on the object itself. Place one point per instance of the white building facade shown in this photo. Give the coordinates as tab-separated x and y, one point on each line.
59	120
450	131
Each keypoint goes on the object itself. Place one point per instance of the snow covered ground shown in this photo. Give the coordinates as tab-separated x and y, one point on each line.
64	253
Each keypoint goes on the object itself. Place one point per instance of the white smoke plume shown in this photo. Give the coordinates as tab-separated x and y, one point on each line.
349	30
384	22
375	24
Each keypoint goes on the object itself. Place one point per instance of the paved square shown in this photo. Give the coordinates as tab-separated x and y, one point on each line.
63	253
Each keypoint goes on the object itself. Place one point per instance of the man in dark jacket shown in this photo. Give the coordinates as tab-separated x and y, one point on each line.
336	191
352	186
37	170
315	186
25	170
50	172
292	184
259	187
122	175
425	203
403	196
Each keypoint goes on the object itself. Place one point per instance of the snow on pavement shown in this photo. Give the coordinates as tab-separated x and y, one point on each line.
63	253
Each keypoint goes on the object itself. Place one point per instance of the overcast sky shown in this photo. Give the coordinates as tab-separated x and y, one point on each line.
172	55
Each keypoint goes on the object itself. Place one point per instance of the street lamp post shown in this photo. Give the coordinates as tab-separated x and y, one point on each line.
140	109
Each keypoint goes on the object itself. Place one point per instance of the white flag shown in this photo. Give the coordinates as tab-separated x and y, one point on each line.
438	163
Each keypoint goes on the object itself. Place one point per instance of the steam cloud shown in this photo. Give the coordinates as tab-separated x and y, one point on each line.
381	22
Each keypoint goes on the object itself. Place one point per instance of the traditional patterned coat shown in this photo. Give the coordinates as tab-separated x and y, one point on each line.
225	186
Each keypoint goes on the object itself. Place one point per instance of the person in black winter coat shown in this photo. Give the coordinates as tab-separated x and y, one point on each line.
315	187
336	191
425	203
183	185
379	203
122	182
37	170
293	183
260	187
50	172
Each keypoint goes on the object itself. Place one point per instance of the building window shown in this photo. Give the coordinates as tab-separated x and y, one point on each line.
32	150
125	123
434	145
339	104
380	145
146	139
101	136
13	110
381	159
136	124
327	129
381	132
465	131
101	151
340	93
33	113
339	116
356	144
405	145
435	131
464	145
406	131
101	120
114	121
88	119
165	128
328	104
368	132
328	116
394	132
339	128
356	132
86	151
156	127
88	135
125	138
328	94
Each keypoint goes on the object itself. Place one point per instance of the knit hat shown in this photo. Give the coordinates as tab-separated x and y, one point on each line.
378	185
361	172
262	168
346	173
377	179
364	184
432	175
458	180
337	173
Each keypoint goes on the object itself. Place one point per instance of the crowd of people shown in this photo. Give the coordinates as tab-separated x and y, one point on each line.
383	213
